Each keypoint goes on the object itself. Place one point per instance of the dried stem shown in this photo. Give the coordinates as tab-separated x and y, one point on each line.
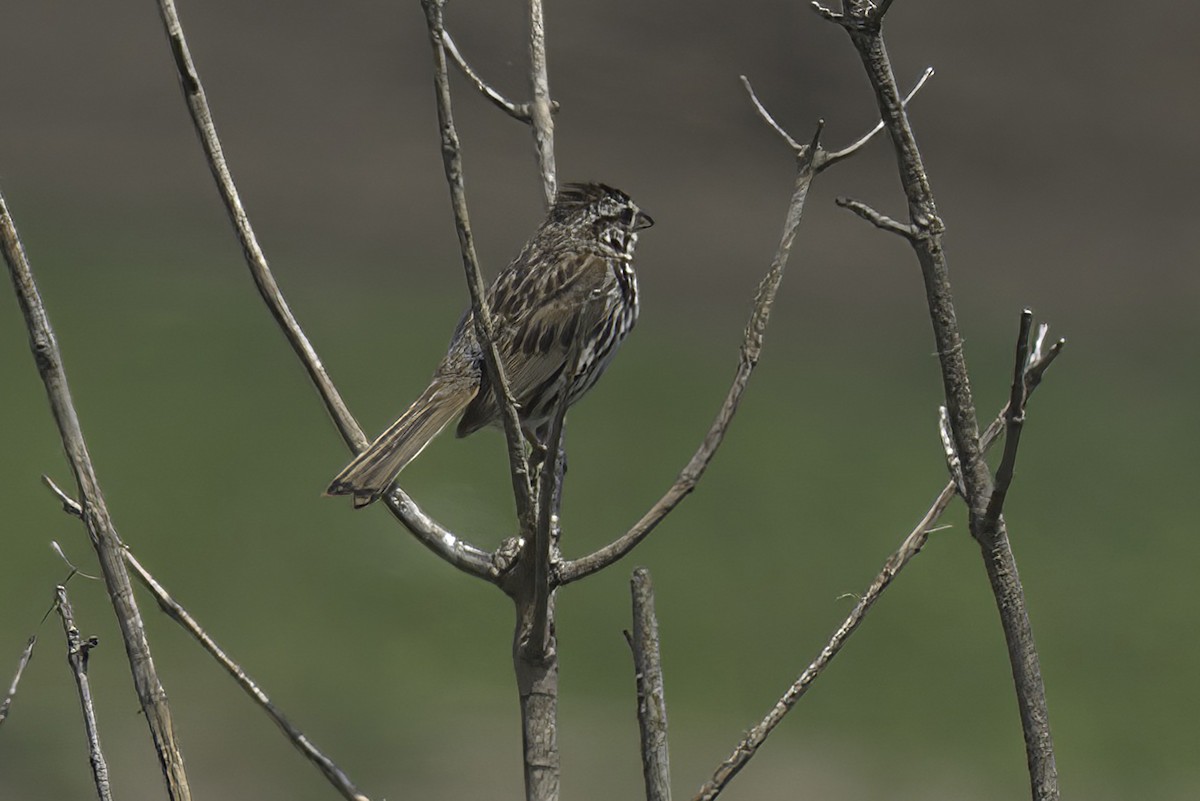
26	655
863	22
910	547
457	552
77	657
651	696
99	524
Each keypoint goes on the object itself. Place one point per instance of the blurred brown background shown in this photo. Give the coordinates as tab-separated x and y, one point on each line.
1060	143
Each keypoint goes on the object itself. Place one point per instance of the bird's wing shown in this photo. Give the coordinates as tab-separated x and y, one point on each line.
540	315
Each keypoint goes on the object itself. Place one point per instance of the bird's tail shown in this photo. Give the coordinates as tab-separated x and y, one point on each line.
373	470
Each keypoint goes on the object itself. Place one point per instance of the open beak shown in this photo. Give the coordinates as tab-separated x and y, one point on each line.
642	221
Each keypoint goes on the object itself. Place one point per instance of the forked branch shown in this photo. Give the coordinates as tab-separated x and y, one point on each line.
862	20
811	160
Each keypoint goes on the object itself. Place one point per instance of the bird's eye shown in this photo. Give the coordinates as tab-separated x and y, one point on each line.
627	216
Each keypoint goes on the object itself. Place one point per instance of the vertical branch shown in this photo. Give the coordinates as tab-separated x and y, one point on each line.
77	658
541	106
863	22
537	688
652	701
101	530
484	323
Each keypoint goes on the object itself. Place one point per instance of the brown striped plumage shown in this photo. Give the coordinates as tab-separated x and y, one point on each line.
561	308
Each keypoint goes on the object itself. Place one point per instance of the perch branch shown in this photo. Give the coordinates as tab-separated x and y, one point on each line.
101	530
26	655
452	549
180	615
77	657
484	323
910	547
651	697
863	22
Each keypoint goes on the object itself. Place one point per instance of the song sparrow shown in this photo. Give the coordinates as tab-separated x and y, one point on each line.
560	309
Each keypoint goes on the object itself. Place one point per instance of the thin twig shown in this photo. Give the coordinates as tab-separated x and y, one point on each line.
824	159
651	697
518	111
77	657
103	533
26	655
877	219
838	155
484	323
910	547
540	107
452	549
333	774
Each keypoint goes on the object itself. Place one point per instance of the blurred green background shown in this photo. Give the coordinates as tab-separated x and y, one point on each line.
1061	144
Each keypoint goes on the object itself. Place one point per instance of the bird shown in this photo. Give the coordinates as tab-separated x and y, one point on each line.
560	310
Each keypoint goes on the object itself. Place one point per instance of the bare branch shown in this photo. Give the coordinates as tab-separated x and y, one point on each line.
651	697
101	530
518	112
823	159
909	548
1014	420
77	657
838	155
875	218
811	159
457	552
26	655
540	106
766	115
180	615
333	774
484	324
862	23
751	347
